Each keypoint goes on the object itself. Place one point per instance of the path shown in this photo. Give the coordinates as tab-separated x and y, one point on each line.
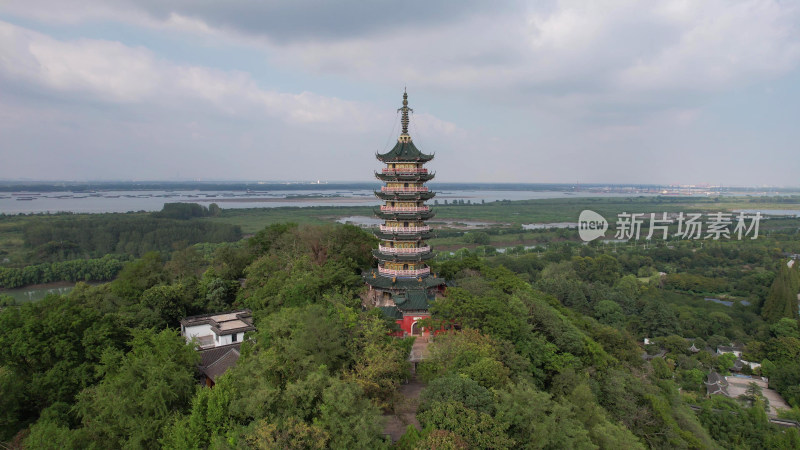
405	409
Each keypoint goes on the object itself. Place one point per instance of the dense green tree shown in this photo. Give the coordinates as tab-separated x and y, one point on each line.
467	353
609	312
140	275
781	300
477	429
49	351
291	433
458	388
296	341
140	390
381	362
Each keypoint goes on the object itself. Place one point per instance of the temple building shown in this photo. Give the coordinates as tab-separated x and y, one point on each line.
402	285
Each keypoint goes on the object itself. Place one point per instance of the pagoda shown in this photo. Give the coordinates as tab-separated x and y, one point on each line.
402	285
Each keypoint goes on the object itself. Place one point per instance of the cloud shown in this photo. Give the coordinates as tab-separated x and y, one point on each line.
278	21
558	89
88	106
508	50
111	72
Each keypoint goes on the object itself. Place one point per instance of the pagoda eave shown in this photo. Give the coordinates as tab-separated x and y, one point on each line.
403	237
403	159
420	178
403	216
401	257
405	196
378	281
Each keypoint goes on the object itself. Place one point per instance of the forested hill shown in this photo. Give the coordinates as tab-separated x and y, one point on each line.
544	355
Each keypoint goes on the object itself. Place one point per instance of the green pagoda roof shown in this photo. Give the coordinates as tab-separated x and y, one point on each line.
419	177
391	312
404	151
403	215
411	257
403	237
373	278
412	300
404	196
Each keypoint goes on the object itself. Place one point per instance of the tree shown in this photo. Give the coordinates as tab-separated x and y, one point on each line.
140	390
49	351
138	276
185	263
350	419
658	319
292	433
297	341
7	300
477	237
170	303
477	429
381	362
781	300
785	327
609	313
459	388
466	352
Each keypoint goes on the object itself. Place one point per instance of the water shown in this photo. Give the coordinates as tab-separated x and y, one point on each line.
544	226
771	212
36	293
361	221
726	302
153	200
463	224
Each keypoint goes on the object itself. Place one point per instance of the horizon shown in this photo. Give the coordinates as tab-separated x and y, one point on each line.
50	182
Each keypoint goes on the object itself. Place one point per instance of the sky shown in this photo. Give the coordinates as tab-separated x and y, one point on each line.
611	91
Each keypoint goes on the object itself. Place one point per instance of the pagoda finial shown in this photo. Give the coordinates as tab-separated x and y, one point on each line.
404	120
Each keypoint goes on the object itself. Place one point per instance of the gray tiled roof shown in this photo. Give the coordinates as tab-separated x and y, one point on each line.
215	361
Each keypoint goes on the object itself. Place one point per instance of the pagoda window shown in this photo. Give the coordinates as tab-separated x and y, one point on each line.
391	243
405	184
405	266
405	224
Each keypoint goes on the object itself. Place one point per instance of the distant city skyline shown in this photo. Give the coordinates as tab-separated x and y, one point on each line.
607	92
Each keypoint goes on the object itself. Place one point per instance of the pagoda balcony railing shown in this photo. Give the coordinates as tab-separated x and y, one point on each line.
405	230
404	189
412	209
405	250
404	273
414	170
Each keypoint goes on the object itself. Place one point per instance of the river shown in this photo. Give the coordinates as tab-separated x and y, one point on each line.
126	201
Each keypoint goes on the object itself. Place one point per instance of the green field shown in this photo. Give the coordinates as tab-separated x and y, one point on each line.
504	213
504	217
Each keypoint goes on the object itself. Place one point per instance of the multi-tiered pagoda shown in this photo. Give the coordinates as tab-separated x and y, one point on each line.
403	285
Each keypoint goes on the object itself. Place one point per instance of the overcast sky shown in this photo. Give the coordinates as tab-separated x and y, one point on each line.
684	91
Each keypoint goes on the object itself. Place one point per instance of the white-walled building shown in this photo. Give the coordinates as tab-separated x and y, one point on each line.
216	330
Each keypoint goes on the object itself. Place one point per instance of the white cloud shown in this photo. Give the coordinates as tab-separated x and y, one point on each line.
561	47
721	44
112	72
577	84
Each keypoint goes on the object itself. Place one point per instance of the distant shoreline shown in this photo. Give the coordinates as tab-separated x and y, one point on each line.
282	200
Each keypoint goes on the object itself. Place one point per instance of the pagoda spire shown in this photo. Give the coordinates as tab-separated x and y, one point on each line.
405	109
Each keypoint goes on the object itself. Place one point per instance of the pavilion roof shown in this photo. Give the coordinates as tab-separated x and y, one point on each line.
379	281
405	151
391	312
412	300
